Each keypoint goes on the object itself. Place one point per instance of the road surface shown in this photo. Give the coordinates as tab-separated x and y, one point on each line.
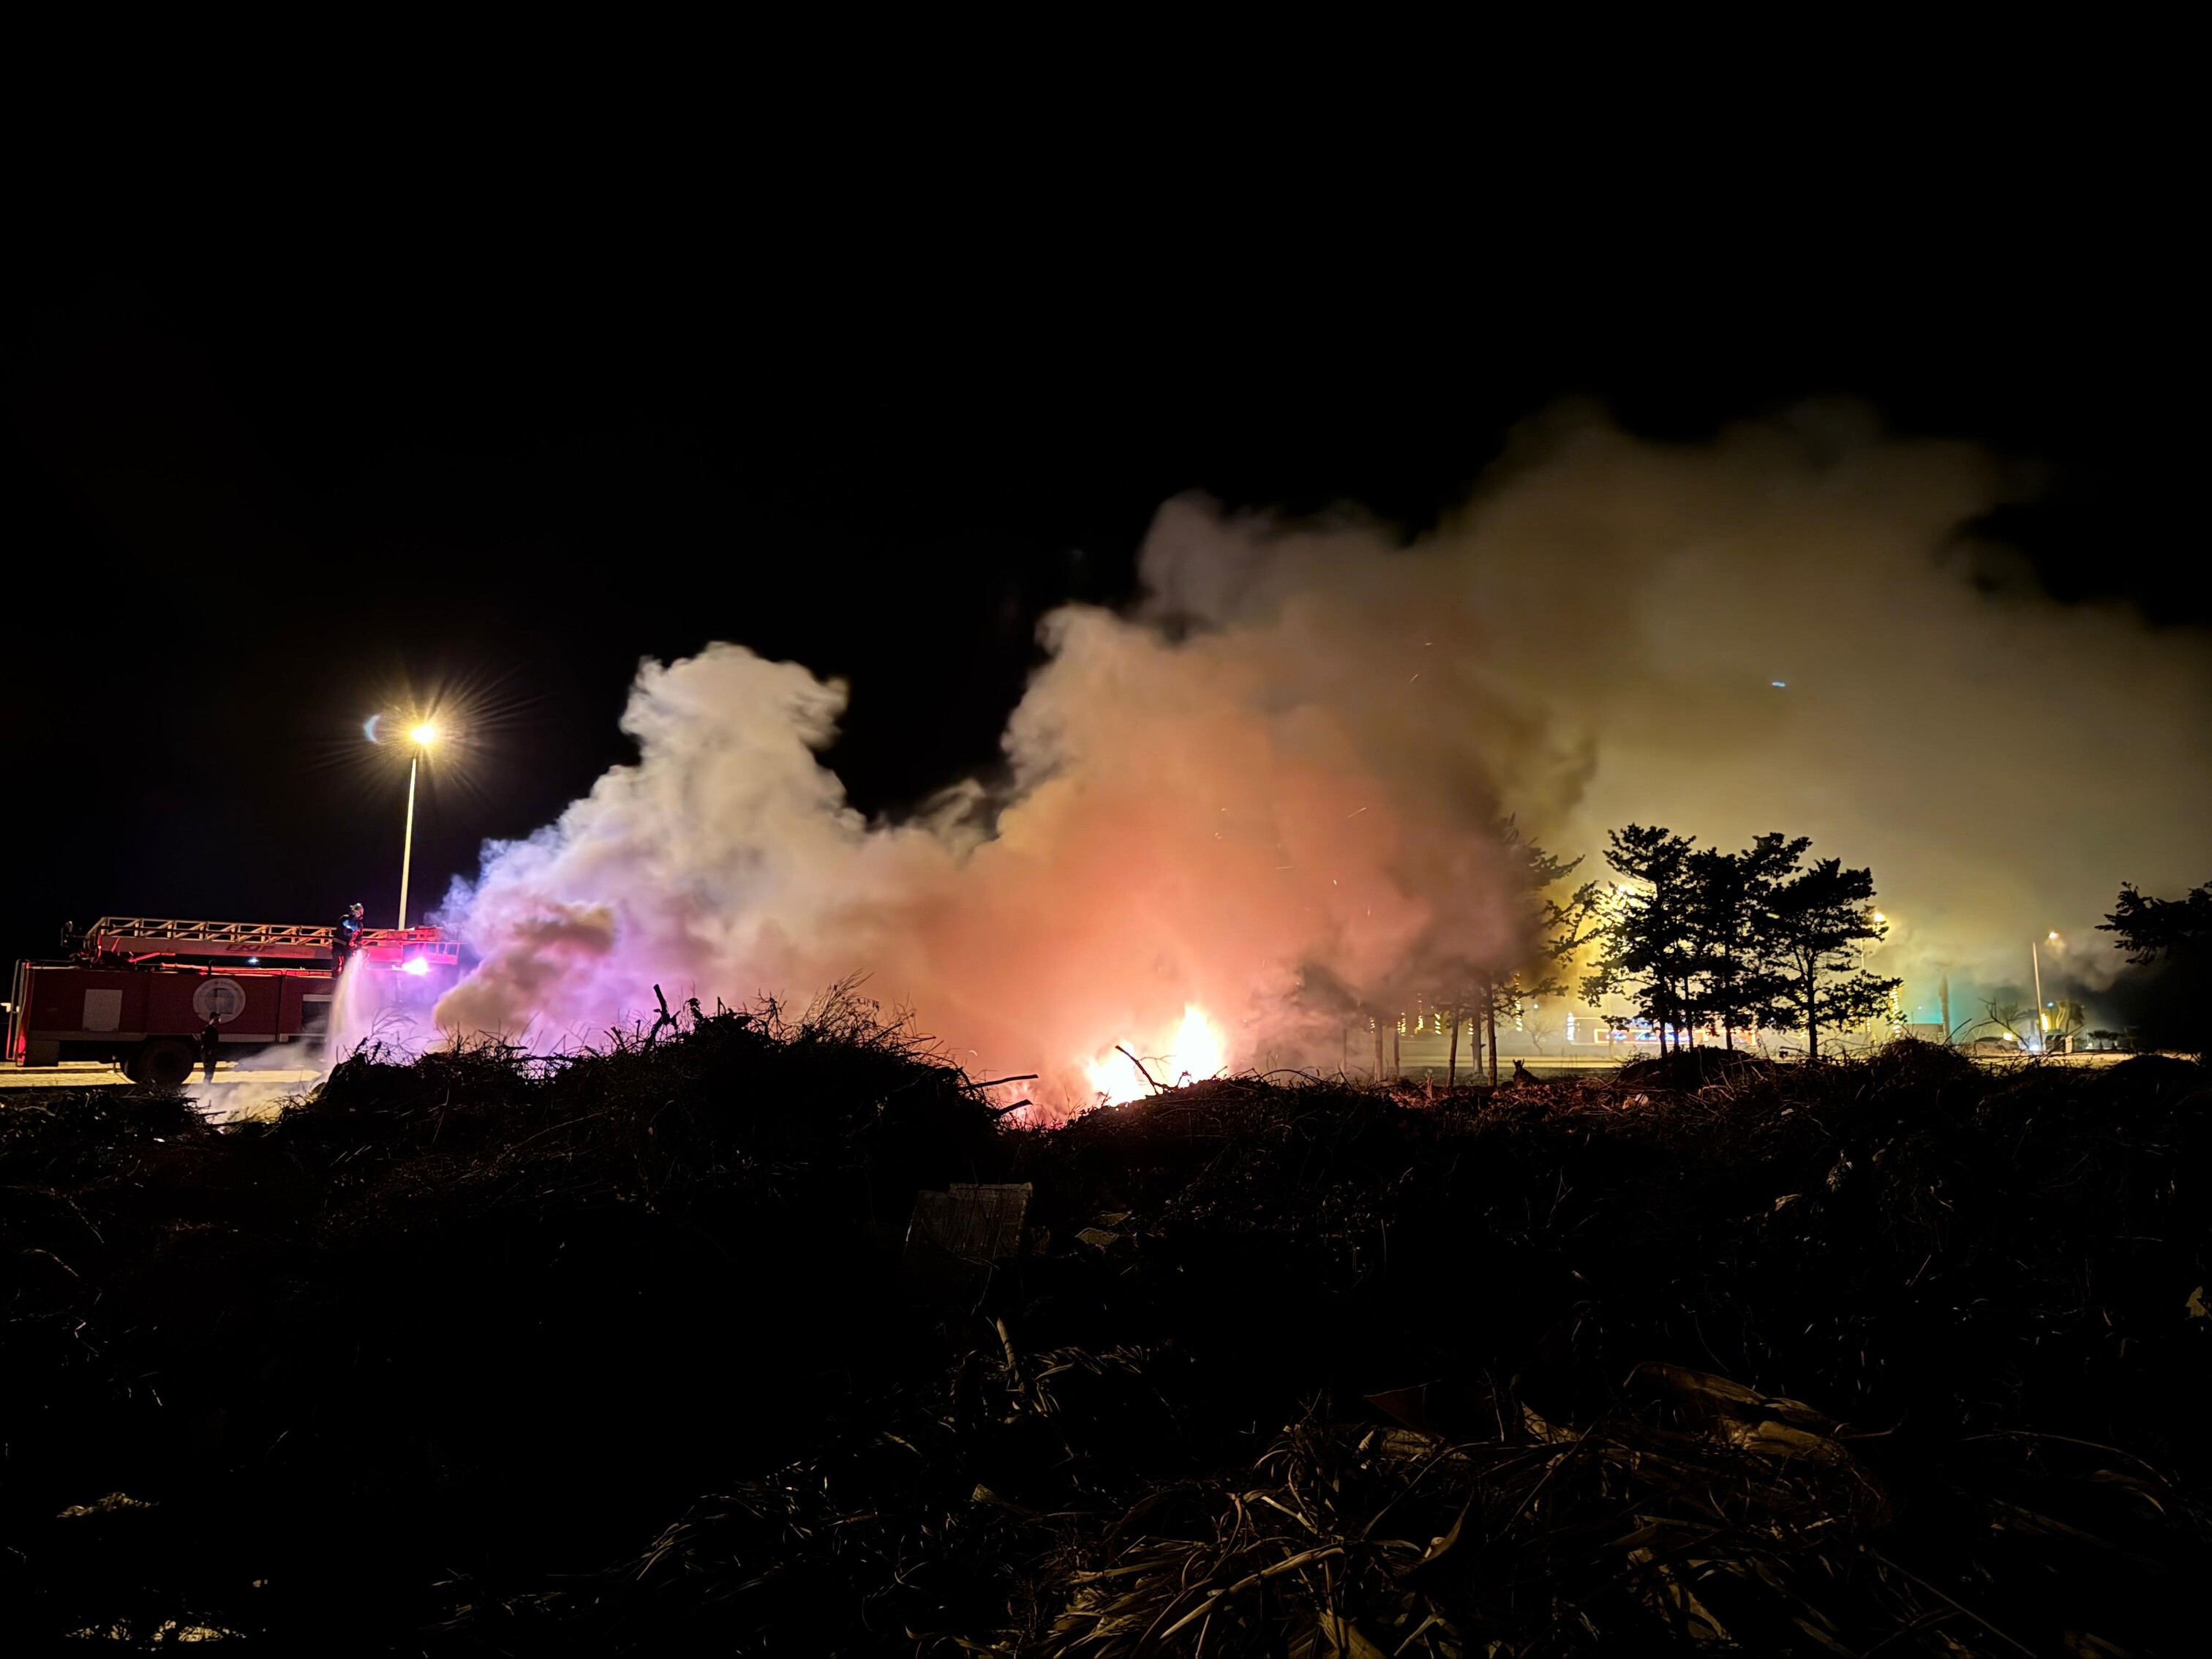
95	1075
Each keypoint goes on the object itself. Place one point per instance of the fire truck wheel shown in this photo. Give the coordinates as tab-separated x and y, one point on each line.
164	1065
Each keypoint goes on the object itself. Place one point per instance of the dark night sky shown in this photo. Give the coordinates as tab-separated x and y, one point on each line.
263	462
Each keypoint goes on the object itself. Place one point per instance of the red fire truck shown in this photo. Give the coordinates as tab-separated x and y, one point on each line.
138	990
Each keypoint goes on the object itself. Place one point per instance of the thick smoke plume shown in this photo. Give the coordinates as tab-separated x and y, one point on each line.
1269	791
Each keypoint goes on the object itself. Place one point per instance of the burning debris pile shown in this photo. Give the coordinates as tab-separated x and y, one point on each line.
1895	1354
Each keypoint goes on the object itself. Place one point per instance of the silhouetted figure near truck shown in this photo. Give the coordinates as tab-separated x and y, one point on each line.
211	1045
345	938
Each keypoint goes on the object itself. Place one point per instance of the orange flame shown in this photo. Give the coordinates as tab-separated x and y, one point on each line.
1196	1051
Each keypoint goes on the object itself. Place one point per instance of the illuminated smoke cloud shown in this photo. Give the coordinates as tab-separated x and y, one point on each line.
1266	792
1178	834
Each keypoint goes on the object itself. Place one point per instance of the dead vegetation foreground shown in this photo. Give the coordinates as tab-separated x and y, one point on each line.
474	1356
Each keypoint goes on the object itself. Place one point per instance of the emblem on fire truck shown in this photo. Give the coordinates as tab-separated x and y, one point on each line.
219	1000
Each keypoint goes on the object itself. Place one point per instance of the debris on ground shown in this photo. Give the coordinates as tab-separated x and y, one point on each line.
772	1335
955	1237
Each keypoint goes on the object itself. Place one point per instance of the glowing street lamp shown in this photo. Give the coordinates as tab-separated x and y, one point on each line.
422	736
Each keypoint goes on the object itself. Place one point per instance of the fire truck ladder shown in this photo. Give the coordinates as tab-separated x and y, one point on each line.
141	936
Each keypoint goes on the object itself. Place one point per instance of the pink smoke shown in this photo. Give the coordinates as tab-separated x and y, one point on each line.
1183	832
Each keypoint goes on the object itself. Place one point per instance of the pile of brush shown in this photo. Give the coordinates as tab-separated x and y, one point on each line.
1897	1355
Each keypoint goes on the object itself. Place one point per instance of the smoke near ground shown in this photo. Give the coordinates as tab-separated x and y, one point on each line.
1266	793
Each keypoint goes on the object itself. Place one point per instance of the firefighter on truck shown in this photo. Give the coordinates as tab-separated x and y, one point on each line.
345	938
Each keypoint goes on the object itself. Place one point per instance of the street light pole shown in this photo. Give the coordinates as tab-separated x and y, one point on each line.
2042	1025
407	843
422	737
